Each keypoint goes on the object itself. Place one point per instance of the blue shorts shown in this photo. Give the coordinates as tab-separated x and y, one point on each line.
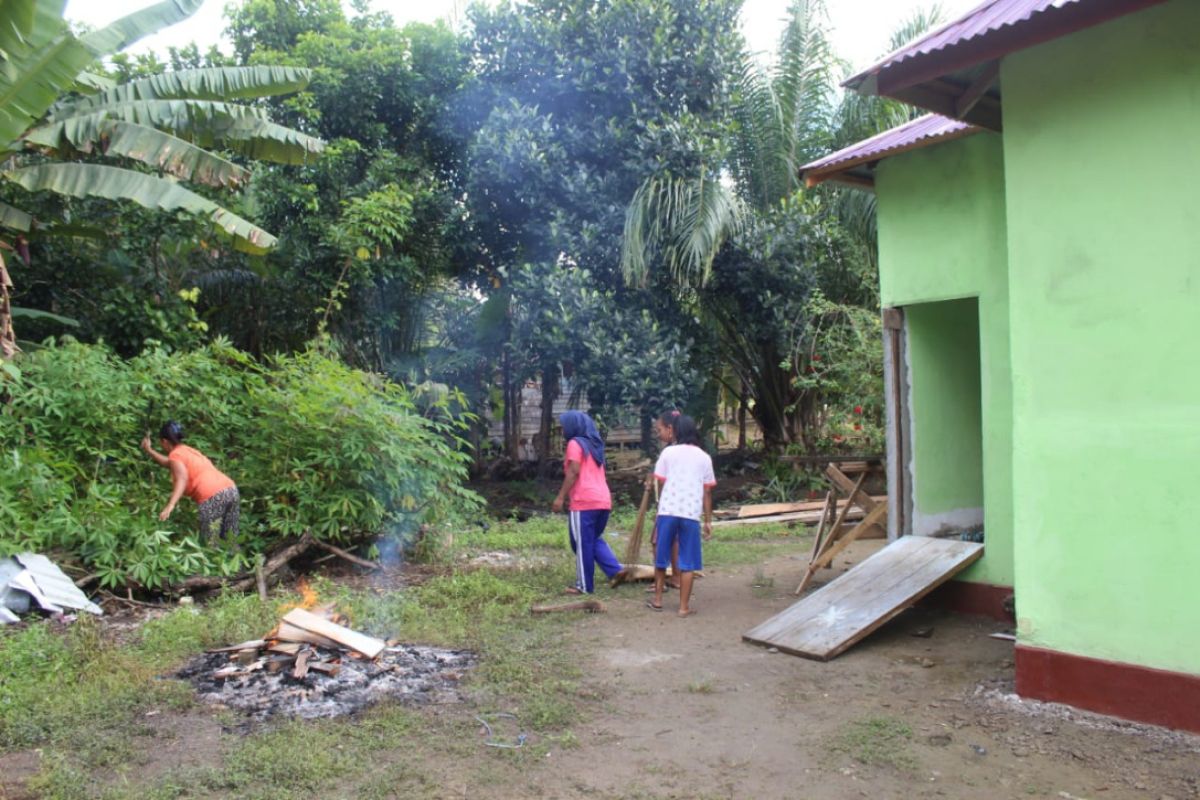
685	531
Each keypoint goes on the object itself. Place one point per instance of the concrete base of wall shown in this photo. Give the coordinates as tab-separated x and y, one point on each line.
963	597
1142	694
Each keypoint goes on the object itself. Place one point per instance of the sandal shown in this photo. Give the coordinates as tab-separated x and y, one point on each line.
571	590
650	605
688	613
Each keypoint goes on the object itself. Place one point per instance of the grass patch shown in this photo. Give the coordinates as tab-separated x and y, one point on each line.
878	742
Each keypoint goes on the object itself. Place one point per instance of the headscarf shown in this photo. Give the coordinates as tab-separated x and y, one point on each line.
580	427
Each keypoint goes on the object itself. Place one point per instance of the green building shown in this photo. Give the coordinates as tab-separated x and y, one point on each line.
1039	249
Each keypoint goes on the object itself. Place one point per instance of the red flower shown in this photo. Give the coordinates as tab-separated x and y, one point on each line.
816	358
837	438
858	409
858	426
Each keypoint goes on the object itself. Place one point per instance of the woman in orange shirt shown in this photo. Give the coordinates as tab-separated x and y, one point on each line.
194	475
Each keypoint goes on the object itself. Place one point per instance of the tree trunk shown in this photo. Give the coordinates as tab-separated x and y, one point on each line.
550	384
8	338
743	402
512	411
647	433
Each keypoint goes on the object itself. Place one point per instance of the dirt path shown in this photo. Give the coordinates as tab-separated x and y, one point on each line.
693	712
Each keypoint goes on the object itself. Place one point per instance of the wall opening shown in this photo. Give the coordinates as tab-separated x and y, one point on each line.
944	443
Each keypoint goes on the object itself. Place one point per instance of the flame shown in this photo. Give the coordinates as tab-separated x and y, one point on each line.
308	595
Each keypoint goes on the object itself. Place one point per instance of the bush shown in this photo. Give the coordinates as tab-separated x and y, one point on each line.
312	444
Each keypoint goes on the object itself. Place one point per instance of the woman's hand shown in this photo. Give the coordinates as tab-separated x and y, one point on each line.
146	443
557	505
707	535
165	513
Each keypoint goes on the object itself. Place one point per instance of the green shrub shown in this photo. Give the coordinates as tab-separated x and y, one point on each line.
313	445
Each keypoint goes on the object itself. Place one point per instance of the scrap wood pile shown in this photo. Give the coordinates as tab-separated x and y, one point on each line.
805	513
313	665
303	641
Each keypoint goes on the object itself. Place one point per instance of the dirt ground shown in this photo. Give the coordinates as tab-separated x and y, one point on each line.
688	710
694	712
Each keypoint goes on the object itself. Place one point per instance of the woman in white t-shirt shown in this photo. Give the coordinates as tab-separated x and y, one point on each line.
686	474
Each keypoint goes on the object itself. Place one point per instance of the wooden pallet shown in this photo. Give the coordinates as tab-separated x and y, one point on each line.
845	610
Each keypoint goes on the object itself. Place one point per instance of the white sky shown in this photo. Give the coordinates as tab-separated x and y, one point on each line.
860	28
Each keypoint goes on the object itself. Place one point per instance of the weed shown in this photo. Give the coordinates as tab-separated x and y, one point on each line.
762	586
704	686
878	741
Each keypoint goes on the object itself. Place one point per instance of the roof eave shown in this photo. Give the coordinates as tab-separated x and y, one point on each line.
921	78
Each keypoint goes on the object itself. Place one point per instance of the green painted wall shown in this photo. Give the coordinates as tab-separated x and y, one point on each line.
942	237
947	431
1103	165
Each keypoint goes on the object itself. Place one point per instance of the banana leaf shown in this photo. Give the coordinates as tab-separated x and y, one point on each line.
214	83
115	183
33	313
14	218
38	68
133	27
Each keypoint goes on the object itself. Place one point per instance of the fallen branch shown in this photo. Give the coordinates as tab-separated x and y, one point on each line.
240	583
353	559
590	606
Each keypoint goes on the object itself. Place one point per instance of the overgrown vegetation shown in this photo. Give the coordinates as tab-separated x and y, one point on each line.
313	445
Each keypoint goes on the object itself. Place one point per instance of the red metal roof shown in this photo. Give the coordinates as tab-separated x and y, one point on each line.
921	132
991	30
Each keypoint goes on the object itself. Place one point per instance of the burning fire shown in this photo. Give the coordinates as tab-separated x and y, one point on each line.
308	595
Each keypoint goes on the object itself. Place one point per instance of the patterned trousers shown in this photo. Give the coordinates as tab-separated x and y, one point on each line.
224	507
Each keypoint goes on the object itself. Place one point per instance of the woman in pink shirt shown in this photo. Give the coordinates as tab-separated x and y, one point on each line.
586	488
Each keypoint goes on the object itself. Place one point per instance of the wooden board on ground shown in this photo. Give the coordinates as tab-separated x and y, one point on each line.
844	611
771	509
803	517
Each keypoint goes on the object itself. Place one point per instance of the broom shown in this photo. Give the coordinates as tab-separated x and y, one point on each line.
634	548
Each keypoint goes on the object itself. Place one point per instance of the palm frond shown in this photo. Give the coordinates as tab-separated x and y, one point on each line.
114	183
683	223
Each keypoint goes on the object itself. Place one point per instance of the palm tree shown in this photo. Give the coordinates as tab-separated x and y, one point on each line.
53	112
780	119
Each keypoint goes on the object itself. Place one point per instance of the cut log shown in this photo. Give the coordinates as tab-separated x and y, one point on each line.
591	606
286	648
369	646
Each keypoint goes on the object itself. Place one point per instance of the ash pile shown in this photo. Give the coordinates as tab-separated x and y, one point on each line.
313	666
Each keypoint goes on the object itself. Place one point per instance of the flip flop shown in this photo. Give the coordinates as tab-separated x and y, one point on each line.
690	612
666	588
650	605
571	590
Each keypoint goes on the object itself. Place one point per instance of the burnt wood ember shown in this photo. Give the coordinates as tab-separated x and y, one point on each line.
334	684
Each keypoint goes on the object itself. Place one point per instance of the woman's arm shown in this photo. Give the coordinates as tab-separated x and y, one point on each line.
568	481
150	451
179	475
707	512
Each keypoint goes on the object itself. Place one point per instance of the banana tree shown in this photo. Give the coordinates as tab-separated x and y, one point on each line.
55	113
